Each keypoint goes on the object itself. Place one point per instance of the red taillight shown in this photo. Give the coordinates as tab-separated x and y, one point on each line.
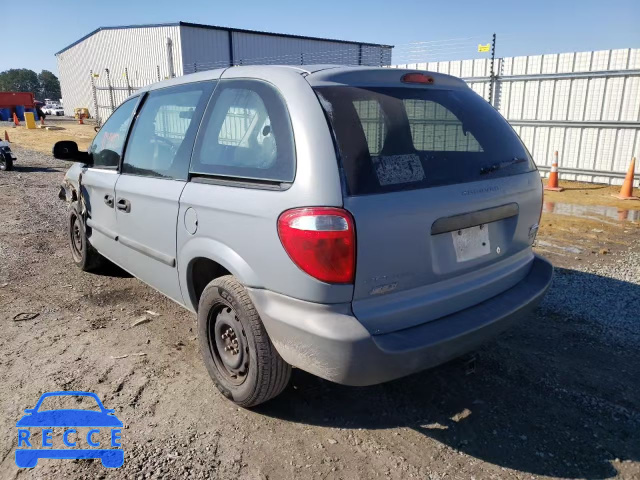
321	241
417	78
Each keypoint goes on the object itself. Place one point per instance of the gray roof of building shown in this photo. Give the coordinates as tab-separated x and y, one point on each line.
216	27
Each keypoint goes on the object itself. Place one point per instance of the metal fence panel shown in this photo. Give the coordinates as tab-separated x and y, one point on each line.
585	105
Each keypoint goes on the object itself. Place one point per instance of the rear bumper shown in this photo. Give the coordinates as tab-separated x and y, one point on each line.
328	341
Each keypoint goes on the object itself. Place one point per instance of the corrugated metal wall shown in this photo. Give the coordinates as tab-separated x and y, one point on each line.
252	48
585	105
208	48
204	47
140	50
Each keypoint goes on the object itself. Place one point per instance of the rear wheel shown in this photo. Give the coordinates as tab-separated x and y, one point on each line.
83	254
237	351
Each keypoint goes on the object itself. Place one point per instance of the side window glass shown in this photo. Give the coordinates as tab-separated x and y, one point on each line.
246	133
107	145
163	134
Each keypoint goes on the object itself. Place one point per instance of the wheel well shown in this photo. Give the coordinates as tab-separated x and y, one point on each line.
202	271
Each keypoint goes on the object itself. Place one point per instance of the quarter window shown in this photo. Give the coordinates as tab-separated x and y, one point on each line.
163	134
246	133
106	148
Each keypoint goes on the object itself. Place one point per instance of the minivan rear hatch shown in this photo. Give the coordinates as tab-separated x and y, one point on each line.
445	198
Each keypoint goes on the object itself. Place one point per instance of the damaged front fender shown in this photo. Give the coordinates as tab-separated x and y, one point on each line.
69	189
67	193
62	194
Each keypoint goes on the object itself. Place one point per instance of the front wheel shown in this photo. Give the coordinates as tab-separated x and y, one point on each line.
236	348
83	254
6	162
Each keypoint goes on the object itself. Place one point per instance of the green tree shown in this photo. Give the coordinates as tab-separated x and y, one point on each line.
19	80
49	86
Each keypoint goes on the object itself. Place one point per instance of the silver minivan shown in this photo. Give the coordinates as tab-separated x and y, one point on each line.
358	223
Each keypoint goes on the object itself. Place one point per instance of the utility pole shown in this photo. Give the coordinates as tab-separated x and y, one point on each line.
492	75
126	77
94	94
111	102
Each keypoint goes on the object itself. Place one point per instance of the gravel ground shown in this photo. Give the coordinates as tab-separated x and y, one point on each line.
554	397
613	294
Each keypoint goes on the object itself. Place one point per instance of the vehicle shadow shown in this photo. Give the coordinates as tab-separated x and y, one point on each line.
24	169
110	269
556	395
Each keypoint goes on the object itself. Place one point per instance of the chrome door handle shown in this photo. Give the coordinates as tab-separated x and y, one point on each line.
108	199
123	205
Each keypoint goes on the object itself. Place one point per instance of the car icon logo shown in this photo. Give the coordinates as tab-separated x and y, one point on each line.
98	423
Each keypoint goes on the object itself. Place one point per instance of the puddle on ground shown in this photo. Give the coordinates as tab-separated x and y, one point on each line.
543	243
592	212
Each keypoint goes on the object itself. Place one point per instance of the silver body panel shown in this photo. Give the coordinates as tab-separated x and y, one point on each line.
406	276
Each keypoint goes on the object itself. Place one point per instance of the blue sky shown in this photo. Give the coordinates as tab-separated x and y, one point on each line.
523	27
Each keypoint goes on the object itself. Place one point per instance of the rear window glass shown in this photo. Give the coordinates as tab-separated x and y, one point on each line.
393	139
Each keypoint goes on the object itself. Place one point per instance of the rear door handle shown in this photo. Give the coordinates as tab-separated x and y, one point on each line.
108	199
123	205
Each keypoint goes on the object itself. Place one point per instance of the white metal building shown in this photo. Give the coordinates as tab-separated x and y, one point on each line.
140	54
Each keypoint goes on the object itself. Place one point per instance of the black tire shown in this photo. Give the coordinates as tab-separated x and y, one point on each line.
252	372
6	163
83	254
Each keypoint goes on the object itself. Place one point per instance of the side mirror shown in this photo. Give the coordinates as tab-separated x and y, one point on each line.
68	150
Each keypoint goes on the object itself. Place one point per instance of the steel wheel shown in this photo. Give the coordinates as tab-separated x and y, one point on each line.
237	351
228	344
83	254
76	233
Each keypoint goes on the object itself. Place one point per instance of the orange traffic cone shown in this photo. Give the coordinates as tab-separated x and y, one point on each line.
552	184
6	137
15	119
626	192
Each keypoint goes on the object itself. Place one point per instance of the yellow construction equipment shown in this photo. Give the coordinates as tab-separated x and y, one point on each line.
84	111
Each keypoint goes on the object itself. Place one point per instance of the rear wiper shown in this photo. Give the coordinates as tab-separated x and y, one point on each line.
497	166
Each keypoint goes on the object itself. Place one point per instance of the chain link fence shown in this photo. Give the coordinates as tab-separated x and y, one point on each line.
110	87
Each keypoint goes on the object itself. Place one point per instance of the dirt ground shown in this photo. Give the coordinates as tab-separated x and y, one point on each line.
555	397
42	140
590	194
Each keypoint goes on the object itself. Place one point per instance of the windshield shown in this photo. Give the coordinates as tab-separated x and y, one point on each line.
393	139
